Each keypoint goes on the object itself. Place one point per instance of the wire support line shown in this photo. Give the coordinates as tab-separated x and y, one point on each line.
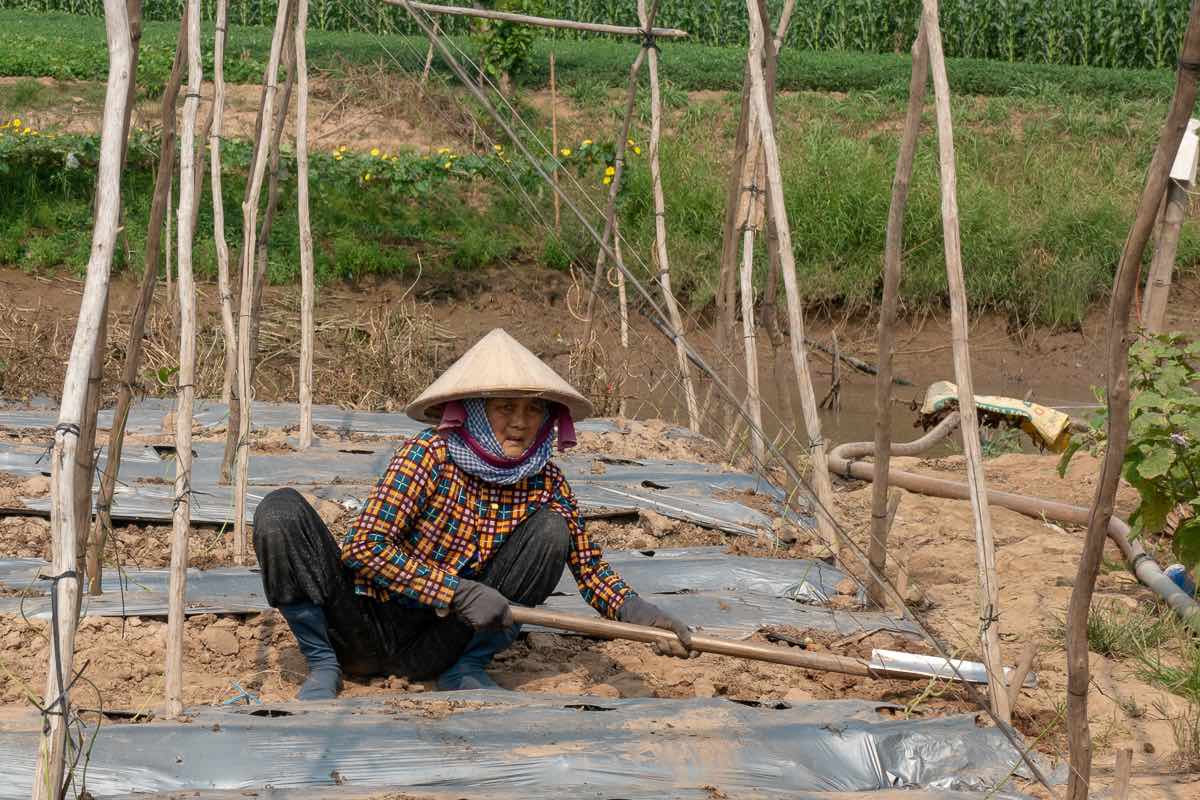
436	40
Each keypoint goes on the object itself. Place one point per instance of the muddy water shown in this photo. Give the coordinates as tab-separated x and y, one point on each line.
1058	370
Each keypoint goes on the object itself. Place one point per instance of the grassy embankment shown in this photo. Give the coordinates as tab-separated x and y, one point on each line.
1050	163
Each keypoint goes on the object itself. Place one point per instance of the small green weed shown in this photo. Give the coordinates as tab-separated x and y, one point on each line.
1185	729
1175	666
1120	632
27	93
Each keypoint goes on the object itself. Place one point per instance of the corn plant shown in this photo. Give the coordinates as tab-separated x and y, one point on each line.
1104	33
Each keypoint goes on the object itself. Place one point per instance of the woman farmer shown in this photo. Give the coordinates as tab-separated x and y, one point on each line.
470	516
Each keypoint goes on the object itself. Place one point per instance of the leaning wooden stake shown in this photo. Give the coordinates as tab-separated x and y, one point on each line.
1117	399
614	186
989	593
893	254
660	229
808	400
49	781
623	311
274	153
224	287
542	22
137	327
553	142
249	230
770	312
181	519
749	212
1158	285
307	278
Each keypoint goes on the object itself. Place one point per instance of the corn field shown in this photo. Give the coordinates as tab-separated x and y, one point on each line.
1101	33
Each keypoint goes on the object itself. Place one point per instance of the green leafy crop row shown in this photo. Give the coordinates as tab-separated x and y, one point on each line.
1108	33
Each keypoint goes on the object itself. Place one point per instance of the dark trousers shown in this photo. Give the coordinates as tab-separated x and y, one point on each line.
301	563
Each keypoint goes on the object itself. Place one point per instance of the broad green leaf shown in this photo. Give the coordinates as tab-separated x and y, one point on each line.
1187	542
1156	463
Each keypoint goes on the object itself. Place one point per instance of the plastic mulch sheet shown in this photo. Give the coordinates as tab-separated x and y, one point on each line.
345	472
511	745
735	595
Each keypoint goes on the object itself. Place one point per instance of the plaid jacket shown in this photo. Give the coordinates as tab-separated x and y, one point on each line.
429	522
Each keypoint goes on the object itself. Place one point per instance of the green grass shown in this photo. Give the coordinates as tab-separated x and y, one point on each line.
1047	177
1122	34
1119	632
72	47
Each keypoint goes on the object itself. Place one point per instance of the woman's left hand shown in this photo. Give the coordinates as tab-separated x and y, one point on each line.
637	611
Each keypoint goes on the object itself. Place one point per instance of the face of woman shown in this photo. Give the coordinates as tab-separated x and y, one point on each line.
516	422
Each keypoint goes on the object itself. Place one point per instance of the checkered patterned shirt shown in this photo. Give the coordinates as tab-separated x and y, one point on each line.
428	523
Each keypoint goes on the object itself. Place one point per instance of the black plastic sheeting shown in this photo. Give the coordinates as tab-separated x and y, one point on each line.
734	595
550	747
345	472
146	418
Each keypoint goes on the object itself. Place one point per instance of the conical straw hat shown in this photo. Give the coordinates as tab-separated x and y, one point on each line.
498	366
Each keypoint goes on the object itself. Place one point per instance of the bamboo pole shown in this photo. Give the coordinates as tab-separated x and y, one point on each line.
750	342
268	218
1121	773
224	287
553	142
1117	399
307	278
167	251
610	210
137	326
808	400
893	255
181	519
249	230
989	594
749	209
542	22
428	66
770	306
52	747
1158	287
727	280
660	227
623	310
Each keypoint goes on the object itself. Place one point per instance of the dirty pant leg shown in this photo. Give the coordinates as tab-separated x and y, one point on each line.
299	560
422	645
301	563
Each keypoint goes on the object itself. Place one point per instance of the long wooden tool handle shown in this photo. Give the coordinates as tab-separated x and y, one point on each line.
608	629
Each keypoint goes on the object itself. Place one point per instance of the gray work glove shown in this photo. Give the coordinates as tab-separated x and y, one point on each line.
637	611
481	606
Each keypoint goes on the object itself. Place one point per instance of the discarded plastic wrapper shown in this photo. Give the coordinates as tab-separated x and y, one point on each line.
895	663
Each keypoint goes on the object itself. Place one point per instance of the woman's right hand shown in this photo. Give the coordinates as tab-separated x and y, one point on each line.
481	606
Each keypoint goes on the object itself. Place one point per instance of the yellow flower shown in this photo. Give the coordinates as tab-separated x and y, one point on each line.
610	171
499	148
337	156
637	151
443	151
446	165
566	151
607	180
26	132
16	123
375	152
342	149
586	143
629	142
367	177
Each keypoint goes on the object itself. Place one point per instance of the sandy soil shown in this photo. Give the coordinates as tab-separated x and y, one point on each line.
1036	562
